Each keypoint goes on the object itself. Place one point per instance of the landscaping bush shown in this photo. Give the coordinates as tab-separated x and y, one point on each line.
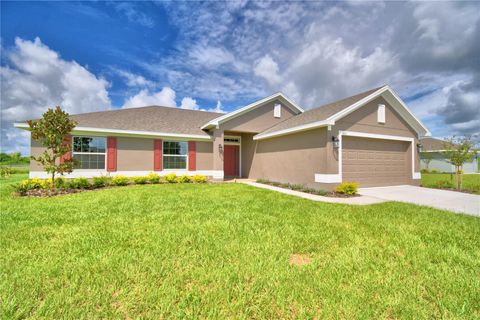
5	172
424	171
79	183
434	171
153	178
60	183
100	182
184	179
348	188
171	178
140	180
26	185
119	181
297	187
199	178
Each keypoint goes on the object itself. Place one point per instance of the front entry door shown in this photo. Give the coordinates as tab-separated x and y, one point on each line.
231	161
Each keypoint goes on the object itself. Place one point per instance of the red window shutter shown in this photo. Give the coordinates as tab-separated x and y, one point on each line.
67	156
192	155
111	154
157	154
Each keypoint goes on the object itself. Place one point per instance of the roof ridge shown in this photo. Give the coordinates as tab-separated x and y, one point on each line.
144	107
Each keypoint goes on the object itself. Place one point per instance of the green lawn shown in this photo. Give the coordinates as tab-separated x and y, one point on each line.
471	182
222	251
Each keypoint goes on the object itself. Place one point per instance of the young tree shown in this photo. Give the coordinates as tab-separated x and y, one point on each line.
427	158
457	152
51	131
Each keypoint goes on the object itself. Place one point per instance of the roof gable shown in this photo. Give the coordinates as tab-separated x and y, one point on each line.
214	123
328	114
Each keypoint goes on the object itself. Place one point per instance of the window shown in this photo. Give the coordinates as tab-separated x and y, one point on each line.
90	152
277	110
381	113
175	155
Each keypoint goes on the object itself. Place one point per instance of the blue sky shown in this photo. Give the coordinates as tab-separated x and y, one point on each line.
89	56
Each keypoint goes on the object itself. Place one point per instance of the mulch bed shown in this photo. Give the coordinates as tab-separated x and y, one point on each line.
332	194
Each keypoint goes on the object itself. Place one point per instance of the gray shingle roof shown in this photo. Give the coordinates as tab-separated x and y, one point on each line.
152	118
319	113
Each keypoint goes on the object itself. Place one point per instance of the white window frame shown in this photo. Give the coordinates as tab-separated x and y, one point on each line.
90	153
381	113
277	110
174	155
232	143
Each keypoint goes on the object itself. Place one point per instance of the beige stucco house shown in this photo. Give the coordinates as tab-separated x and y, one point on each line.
371	138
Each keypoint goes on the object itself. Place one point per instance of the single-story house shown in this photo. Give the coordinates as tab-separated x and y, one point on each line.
371	138
432	156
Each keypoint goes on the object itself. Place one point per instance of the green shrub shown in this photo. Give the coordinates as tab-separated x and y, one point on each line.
297	187
171	178
100	182
5	172
424	171
26	185
60	183
153	178
348	188
140	180
434	170
320	192
119	181
184	179
79	183
199	178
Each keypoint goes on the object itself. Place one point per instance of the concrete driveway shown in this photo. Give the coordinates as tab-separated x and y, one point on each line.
441	199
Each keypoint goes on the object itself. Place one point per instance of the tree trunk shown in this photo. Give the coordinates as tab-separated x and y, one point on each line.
457	169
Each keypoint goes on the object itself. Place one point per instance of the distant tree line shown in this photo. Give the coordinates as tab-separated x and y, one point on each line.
13	158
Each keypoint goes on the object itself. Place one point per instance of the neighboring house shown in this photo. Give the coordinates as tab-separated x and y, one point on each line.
370	138
433	149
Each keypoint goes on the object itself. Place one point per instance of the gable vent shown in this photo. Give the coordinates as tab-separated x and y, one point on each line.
381	113
277	110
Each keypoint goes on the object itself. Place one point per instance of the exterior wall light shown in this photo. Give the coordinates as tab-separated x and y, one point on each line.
336	142
419	147
220	148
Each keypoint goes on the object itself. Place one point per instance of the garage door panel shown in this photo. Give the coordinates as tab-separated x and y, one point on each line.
373	162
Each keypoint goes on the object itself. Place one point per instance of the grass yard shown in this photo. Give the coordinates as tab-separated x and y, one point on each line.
223	250
471	182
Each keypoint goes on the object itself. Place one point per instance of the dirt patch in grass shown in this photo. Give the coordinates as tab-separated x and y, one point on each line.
299	260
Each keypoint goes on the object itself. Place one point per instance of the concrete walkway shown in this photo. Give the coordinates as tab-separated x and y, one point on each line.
442	199
361	200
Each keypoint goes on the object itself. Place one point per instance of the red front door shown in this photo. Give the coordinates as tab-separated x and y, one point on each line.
231	163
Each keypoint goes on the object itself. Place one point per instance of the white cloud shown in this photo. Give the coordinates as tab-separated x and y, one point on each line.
164	97
134	80
189	103
267	68
36	78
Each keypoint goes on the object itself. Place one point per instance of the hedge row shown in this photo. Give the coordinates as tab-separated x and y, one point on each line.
100	182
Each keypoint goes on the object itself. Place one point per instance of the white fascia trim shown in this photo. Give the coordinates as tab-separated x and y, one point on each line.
328	178
217	121
305	127
374	136
216	174
134	133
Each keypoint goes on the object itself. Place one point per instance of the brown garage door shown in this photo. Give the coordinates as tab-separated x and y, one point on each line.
375	162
